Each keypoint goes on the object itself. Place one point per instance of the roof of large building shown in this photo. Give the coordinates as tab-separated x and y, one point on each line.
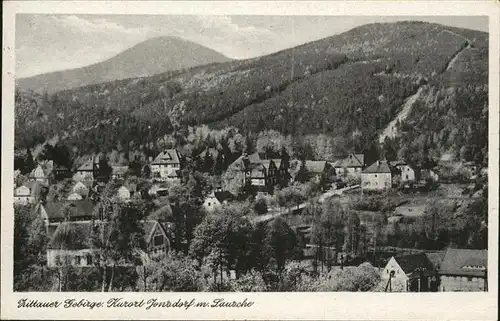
464	262
71	236
436	258
378	167
78	235
168	156
75	209
410	263
315	166
353	160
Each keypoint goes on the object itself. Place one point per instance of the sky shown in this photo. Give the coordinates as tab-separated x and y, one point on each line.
46	43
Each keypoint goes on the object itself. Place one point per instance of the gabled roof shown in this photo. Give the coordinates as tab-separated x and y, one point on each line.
38	172
224	196
267	163
76	209
19	191
353	160
457	261
436	258
315	166
254	158
71	236
168	156
410	263
277	162
378	167
87	166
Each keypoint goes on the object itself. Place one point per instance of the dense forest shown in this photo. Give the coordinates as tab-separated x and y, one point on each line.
342	90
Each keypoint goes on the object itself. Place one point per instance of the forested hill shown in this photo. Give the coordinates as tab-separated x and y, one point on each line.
346	88
150	57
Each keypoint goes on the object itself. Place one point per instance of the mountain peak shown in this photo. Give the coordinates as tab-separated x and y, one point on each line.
152	56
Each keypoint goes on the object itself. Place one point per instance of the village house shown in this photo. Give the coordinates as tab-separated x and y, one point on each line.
28	193
86	172
82	188
282	171
216	199
254	172
39	175
71	244
61	172
54	213
316	169
118	172
404	171
166	165
352	165
376	177
464	270
410	273
23	195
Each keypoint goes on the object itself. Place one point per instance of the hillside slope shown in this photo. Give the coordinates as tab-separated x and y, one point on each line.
153	56
349	87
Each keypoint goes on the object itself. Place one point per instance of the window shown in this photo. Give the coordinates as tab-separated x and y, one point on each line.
209	204
89	259
158	240
406	176
469	278
375	175
78	260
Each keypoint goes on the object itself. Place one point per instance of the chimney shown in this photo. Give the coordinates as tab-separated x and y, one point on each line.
378	163
150	158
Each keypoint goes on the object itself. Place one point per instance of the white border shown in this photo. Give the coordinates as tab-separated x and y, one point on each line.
383	306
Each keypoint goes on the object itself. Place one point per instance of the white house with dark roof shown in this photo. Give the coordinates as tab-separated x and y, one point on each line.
166	165
376	177
351	165
464	270
23	195
406	172
30	192
87	170
410	273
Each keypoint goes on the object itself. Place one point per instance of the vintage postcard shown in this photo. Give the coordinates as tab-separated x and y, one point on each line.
250	160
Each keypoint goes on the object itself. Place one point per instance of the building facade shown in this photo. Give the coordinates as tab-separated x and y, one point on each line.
464	270
376	177
166	165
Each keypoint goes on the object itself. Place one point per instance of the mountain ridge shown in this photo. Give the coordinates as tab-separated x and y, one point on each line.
352	84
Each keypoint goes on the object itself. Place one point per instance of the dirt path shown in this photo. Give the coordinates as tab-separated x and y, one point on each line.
391	130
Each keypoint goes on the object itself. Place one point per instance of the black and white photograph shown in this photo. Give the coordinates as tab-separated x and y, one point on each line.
250	153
